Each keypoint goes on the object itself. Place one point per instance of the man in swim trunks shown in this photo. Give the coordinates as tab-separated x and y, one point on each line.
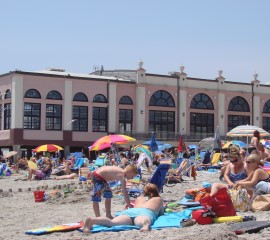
146	210
100	179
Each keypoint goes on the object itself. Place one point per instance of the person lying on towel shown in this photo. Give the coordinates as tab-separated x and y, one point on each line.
146	210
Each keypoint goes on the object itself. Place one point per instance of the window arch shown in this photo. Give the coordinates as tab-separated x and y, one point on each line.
202	101
8	94
238	104
54	95
161	98
266	107
126	100
32	93
100	98
80	97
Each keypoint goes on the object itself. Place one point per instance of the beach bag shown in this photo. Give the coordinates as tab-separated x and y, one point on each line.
240	199
220	203
261	203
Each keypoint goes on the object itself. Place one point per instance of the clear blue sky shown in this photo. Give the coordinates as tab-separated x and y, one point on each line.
203	35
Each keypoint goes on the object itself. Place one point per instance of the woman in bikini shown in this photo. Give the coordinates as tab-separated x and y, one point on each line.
254	141
146	210
234	172
258	179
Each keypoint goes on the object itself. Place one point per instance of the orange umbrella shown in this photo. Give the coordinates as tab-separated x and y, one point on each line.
48	148
106	141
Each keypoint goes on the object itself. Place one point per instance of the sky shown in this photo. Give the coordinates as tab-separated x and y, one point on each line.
77	35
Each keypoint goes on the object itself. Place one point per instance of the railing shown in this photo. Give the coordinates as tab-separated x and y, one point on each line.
165	136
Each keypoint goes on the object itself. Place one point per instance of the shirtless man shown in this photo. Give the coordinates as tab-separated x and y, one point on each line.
100	179
146	210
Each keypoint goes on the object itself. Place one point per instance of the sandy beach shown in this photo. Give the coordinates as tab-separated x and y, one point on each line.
20	212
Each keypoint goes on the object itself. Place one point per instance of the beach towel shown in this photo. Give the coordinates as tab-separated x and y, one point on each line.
58	228
168	220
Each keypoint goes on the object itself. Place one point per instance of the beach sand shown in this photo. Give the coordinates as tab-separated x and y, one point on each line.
19	211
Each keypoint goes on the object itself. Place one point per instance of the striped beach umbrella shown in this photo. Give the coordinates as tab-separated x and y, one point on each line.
247	131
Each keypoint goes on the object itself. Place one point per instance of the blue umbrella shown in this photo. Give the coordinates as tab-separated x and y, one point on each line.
239	143
193	146
153	143
162	146
148	143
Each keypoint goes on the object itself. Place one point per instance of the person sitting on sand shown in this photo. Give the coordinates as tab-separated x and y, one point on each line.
235	171
40	174
22	164
258	180
146	210
100	179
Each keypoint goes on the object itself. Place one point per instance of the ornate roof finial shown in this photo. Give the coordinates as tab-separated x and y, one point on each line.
220	71
255	75
182	68
140	63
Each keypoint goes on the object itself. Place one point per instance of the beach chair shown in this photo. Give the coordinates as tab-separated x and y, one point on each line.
159	176
100	161
78	164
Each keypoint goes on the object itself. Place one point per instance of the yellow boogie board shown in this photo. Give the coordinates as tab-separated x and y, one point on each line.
228	219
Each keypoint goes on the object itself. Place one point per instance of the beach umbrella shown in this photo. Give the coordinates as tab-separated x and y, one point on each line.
143	150
32	165
9	154
153	143
106	141
148	143
193	146
217	142
162	146
48	148
181	145
207	142
247	131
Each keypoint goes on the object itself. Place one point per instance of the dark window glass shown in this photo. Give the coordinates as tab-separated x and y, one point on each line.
99	98
162	123
202	101
266	123
54	95
201	125
80	118
31	116
125	120
53	117
125	100
266	107
99	120
80	97
238	104
8	94
7	116
161	98
236	120
32	93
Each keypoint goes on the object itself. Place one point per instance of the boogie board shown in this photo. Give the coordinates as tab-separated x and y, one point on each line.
58	228
249	226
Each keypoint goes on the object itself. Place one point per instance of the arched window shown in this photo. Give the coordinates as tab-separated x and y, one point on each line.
54	95
80	97
126	100
266	107
161	98
201	101
99	98
8	94
32	93
238	104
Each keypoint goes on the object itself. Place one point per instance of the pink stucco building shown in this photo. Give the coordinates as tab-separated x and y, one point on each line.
71	110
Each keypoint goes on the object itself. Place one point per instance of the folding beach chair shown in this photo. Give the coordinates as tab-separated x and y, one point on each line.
159	176
100	161
78	164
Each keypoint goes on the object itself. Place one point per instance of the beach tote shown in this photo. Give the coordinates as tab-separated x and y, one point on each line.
261	203
240	199
220	203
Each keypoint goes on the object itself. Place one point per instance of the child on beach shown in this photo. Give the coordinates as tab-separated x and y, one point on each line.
100	179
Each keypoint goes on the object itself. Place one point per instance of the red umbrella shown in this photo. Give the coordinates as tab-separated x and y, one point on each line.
47	148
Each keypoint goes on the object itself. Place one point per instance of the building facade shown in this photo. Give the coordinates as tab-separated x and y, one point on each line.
71	110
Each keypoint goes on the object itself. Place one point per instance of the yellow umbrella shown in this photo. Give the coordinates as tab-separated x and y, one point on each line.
227	145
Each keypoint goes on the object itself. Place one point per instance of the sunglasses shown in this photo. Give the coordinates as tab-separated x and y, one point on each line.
234	160
248	162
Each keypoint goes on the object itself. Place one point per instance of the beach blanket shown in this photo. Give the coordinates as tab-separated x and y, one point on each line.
58	228
168	220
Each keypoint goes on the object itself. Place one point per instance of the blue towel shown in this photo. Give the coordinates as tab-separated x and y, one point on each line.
165	221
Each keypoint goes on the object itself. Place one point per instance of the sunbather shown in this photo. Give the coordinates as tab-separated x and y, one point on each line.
40	174
146	209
